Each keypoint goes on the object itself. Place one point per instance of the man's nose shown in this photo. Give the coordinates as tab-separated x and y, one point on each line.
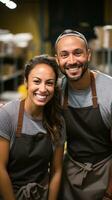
72	59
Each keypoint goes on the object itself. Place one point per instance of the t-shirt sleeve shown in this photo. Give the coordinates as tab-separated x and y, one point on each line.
5	124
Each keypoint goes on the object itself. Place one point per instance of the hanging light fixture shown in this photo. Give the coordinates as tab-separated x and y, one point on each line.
9	4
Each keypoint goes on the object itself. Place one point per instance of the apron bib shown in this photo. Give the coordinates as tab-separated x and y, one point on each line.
88	159
29	162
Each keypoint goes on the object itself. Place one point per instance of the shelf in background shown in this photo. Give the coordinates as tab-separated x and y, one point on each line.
8	77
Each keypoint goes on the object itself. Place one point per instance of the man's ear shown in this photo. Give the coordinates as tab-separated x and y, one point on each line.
89	54
56	59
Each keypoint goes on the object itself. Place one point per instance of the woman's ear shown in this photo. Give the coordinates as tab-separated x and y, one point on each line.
25	83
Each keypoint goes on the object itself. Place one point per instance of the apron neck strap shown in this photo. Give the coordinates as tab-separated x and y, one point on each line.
65	103
93	90
20	118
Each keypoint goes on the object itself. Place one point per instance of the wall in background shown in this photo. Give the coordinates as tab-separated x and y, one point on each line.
108	12
45	19
77	14
25	18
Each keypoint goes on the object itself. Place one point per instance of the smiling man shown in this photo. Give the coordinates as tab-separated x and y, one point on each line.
87	109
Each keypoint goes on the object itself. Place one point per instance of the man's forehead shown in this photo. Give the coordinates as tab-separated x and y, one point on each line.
70	43
71	33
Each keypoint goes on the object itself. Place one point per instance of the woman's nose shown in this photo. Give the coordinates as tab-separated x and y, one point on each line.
42	87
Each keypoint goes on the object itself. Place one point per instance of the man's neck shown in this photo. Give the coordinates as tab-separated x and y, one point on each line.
82	83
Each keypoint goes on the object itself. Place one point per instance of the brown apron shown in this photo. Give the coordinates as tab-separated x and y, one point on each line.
28	163
89	152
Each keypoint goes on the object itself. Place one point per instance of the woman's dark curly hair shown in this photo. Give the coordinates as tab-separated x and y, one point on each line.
51	114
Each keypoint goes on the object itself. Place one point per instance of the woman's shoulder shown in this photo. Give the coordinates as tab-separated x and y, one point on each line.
9	111
10	107
8	120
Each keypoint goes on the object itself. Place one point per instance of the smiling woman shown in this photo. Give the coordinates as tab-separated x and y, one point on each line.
33	137
40	86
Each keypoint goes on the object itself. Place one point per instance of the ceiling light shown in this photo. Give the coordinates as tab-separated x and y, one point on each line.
4	1
9	4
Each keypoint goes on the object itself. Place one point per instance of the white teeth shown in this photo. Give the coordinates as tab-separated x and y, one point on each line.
41	97
73	69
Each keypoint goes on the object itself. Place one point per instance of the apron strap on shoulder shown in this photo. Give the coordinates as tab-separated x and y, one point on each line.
20	118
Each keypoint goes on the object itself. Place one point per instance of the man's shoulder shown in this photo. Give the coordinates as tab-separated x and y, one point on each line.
104	77
62	81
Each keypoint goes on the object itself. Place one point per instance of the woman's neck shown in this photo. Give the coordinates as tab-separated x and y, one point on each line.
33	110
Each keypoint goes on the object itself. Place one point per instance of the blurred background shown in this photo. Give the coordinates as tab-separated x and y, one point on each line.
30	27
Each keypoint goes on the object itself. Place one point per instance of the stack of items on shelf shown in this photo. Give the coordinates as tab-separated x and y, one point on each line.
13	54
104	37
102	48
14	44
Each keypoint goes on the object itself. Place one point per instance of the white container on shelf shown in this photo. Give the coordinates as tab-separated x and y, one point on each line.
107	42
99	31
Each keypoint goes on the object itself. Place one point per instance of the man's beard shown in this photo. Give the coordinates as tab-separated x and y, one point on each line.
84	69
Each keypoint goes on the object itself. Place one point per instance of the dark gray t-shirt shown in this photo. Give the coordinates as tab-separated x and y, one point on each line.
9	118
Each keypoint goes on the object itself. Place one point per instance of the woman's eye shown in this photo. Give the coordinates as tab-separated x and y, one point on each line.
50	83
36	81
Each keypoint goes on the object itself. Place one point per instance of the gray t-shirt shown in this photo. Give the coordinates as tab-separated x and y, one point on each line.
83	98
9	118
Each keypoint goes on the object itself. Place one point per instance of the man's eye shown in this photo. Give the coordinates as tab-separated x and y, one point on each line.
78	53
64	55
